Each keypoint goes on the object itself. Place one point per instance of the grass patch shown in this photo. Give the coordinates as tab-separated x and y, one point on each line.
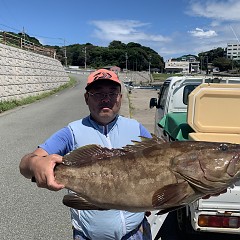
161	77
8	105
131	108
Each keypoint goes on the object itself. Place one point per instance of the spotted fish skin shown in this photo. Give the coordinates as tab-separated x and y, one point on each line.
148	175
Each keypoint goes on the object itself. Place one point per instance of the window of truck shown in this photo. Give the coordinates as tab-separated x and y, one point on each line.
186	91
163	95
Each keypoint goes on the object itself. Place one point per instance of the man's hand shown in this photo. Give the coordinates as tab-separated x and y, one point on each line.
43	171
40	166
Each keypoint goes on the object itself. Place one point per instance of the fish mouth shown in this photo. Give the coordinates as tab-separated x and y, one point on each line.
234	166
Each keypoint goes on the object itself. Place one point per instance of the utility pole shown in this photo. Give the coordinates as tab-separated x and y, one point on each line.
201	62
85	57
149	68
23	34
149	65
207	64
22	43
126	56
65	52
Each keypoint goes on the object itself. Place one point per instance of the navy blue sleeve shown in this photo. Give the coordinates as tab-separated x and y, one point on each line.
59	143
144	132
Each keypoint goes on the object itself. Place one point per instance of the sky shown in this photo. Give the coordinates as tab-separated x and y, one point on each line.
172	28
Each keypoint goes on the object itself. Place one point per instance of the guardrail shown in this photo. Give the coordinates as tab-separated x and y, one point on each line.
12	40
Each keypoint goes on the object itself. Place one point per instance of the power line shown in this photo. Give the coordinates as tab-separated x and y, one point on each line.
10	27
235	34
34	35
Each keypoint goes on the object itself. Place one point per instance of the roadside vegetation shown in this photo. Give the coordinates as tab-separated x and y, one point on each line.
8	105
131	108
132	56
161	77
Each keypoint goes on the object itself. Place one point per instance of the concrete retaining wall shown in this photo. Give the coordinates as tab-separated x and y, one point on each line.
24	73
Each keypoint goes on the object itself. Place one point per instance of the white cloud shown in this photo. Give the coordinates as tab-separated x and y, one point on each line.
227	10
200	33
213	21
125	31
172	51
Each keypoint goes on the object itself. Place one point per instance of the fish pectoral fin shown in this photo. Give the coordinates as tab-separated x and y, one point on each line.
77	202
170	195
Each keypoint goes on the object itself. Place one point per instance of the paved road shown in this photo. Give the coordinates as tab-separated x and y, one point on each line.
28	212
139	102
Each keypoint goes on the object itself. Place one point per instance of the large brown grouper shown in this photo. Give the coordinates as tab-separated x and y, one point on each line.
148	175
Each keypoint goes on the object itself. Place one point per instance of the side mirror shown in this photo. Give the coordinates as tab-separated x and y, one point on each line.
153	102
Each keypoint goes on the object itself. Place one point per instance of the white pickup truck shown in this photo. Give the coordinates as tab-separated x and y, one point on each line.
201	108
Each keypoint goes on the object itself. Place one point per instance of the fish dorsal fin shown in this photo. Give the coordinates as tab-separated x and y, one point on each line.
171	195
80	203
158	139
144	143
88	154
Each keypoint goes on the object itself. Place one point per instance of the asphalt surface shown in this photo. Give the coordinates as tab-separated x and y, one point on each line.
28	212
139	106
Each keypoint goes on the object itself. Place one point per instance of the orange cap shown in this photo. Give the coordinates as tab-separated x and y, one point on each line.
102	74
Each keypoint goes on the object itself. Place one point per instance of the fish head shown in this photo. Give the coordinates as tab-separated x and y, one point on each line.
221	161
209	165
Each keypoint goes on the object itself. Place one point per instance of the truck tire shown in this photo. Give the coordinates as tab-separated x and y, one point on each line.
184	222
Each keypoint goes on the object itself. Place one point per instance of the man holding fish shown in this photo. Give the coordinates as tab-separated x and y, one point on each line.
105	127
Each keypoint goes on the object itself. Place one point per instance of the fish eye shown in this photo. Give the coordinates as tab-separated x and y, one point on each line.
223	147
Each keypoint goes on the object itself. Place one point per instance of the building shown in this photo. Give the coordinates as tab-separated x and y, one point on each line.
185	64
113	68
233	51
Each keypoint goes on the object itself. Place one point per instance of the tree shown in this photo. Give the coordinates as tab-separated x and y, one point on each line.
139	56
117	44
212	54
222	63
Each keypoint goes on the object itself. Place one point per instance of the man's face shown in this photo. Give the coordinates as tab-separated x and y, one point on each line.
104	101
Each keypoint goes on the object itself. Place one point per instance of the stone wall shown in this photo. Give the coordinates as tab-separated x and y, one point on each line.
24	73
